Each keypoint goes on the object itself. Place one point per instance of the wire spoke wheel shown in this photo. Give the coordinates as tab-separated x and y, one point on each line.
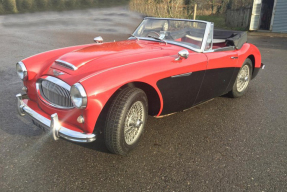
126	120
134	123
243	78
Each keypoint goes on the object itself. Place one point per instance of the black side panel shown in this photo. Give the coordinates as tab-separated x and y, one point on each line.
215	83
232	81
179	92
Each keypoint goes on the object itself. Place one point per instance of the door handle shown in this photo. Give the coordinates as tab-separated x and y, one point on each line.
234	57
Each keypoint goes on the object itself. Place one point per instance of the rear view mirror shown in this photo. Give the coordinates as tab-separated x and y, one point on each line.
182	54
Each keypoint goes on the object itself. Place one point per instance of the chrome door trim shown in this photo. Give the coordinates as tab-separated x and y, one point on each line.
182	75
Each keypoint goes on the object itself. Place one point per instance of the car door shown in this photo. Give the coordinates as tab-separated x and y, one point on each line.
181	86
219	72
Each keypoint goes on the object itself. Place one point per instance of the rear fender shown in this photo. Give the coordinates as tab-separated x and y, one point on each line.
247	50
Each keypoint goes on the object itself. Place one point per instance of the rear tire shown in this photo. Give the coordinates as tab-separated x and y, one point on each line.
126	120
243	79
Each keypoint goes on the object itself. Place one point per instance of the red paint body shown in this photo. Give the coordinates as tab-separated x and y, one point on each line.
104	68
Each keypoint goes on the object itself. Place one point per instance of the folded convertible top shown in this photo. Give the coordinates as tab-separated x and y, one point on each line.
238	40
232	38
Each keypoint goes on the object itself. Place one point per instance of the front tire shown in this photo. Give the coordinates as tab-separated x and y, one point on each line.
126	120
243	79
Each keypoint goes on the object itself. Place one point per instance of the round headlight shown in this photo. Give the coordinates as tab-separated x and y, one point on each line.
21	70
78	96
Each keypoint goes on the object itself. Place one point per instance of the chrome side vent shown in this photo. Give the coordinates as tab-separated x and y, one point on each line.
66	64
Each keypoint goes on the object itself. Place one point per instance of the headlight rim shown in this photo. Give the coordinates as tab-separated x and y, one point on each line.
82	93
24	71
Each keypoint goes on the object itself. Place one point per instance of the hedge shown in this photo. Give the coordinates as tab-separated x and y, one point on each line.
21	6
9	6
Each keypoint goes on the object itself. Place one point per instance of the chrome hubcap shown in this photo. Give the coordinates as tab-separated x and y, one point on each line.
243	78
134	123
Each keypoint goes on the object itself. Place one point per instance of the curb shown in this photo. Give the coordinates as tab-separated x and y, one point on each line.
267	34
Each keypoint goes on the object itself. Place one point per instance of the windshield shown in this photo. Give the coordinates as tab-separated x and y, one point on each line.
187	32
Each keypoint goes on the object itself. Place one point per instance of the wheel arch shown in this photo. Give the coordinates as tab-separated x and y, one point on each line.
252	58
154	104
154	101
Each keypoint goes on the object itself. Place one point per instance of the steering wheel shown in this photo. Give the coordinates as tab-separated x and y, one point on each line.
154	33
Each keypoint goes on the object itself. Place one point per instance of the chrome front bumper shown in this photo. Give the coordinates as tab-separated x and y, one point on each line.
54	125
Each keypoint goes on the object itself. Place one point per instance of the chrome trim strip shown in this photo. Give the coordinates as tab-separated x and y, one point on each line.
175	19
56	81
229	48
54	125
182	75
66	64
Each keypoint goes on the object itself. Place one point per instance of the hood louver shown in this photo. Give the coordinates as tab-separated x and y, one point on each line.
66	64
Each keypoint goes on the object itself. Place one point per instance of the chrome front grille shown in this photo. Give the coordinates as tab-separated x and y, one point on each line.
55	94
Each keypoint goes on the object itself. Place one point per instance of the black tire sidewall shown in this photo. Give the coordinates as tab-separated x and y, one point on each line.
137	96
116	117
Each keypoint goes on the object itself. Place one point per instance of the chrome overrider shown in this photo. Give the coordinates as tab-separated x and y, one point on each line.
54	125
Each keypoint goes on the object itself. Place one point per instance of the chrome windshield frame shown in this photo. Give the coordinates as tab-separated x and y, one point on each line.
204	40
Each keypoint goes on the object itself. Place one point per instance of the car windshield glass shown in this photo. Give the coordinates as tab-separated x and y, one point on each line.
190	33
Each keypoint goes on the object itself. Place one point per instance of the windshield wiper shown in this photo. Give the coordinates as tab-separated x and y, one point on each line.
156	38
135	36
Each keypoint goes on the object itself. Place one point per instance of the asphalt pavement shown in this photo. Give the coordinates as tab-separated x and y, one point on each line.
223	145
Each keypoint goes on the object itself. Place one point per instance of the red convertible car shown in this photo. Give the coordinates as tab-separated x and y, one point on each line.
166	66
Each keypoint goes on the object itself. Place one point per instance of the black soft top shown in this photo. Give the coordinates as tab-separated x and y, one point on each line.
232	38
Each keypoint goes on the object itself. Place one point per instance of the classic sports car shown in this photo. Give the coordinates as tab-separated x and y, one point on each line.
167	65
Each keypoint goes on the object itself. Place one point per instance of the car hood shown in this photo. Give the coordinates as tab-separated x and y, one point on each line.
99	57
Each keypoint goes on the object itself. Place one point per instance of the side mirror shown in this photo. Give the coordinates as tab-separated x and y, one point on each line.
182	54
98	39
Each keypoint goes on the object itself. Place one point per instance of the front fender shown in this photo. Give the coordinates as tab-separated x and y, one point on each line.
101	85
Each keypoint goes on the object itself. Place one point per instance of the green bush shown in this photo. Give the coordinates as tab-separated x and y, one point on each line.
42	4
87	2
58	4
72	3
1	9
28	5
10	6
